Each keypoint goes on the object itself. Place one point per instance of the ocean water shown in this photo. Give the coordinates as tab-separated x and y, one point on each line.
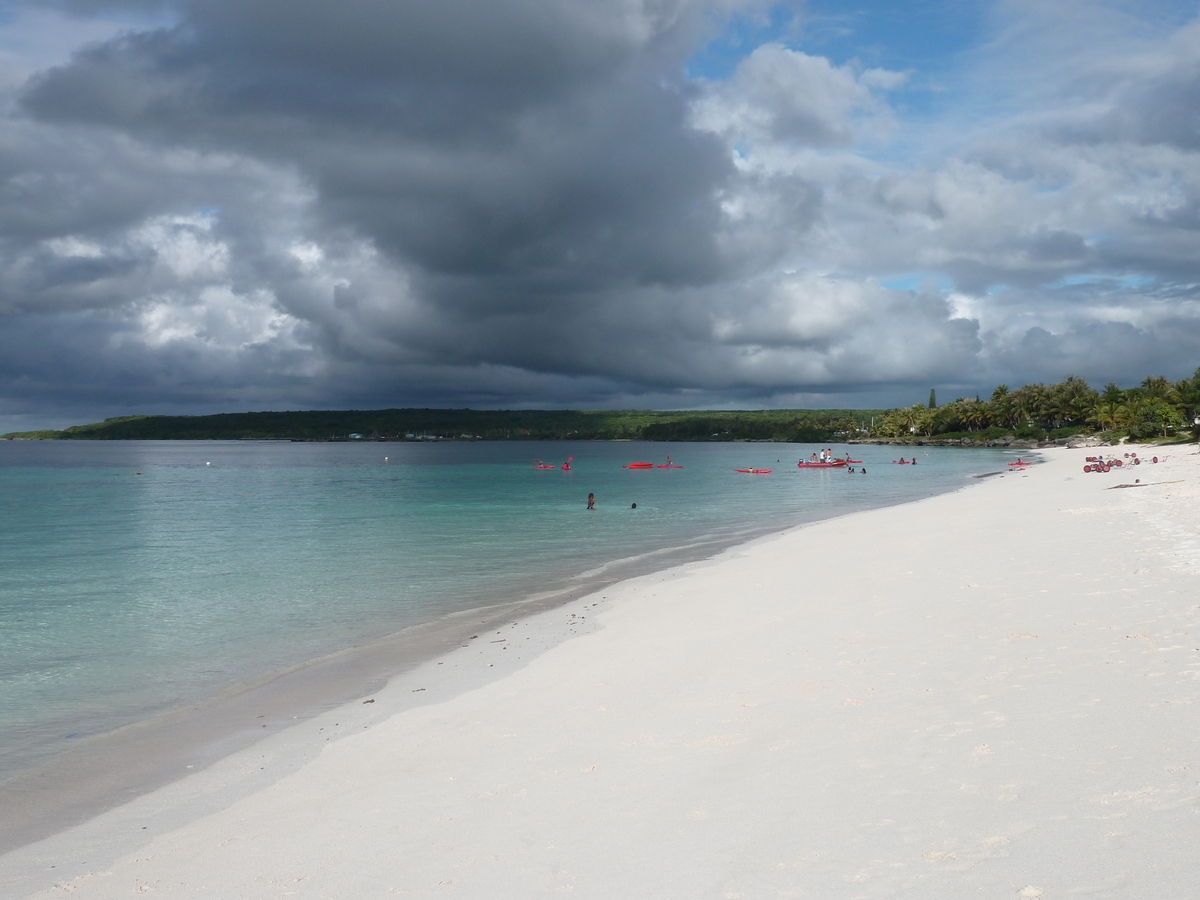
123	595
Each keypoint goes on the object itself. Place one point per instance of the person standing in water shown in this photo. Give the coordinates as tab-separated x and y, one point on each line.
592	501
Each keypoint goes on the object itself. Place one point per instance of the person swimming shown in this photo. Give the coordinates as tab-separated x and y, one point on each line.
591	502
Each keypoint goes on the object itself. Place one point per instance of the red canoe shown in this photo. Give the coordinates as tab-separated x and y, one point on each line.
639	466
755	471
830	465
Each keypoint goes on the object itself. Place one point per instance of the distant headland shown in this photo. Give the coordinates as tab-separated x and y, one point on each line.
1030	416
480	425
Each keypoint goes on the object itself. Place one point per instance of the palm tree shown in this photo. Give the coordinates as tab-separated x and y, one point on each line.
1184	395
1000	409
1104	414
1155	386
1076	400
974	414
1132	412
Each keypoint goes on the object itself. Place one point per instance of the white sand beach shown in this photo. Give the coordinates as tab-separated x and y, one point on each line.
990	693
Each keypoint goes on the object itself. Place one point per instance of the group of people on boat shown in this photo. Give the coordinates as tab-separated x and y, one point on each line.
822	456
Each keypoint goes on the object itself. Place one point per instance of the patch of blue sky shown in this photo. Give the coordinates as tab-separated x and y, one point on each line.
922	37
1125	281
918	34
742	34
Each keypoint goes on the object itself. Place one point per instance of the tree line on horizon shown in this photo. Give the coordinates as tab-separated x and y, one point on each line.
1155	408
467	424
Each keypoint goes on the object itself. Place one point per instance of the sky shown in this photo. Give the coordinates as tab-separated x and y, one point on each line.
228	205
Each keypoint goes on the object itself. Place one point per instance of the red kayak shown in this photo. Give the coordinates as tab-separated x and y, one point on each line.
755	471
639	466
668	465
538	464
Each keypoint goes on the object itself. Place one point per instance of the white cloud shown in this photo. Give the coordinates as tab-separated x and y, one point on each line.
781	95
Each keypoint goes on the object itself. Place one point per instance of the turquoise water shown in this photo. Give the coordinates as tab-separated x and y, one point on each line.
123	594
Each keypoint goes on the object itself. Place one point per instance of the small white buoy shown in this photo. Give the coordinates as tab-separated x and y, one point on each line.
208	464
385	459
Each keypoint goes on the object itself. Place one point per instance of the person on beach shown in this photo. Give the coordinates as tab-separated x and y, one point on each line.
592	501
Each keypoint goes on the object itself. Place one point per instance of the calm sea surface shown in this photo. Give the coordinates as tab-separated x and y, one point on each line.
123	595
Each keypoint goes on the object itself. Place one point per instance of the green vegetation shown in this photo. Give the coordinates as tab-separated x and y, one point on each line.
418	424
1156	409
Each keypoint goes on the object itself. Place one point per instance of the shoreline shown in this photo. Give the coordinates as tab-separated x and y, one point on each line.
89	779
93	776
422	704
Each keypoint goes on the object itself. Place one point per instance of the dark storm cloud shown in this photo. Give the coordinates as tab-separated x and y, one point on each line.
527	141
